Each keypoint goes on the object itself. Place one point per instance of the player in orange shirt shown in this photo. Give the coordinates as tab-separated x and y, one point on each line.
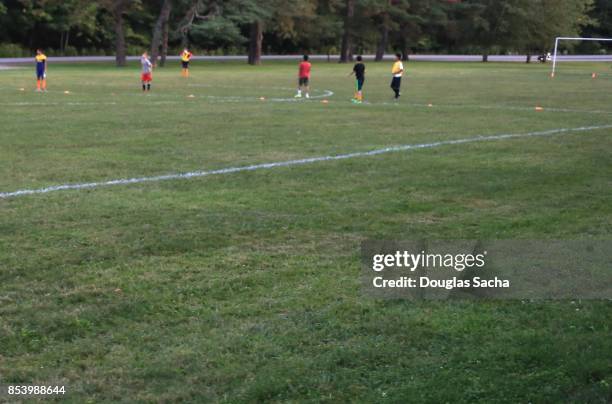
185	58
41	71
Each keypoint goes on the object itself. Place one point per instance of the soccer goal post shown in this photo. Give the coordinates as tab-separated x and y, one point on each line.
564	38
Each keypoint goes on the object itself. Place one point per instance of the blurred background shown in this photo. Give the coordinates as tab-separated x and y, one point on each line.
339	28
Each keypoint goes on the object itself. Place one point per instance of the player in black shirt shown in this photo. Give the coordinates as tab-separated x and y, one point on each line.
359	72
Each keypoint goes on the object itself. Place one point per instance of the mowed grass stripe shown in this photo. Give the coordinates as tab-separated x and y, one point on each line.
231	170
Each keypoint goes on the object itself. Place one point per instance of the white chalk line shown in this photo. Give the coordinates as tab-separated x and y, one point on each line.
310	160
327	93
493	106
516	108
215	98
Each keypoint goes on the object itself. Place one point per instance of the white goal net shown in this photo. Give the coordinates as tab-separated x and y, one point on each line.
556	58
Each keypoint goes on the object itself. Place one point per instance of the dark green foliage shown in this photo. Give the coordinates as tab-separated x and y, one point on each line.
290	26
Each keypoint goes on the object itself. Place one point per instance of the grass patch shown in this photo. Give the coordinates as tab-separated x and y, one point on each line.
245	287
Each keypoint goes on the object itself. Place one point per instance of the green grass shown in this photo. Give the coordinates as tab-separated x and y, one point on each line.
245	287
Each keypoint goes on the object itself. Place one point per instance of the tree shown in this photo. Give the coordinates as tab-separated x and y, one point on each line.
280	17
118	9
388	16
162	20
344	26
196	12
385	27
485	24
255	42
222	23
490	25
520	25
72	15
40	23
346	49
317	27
537	22
164	46
424	23
217	23
601	27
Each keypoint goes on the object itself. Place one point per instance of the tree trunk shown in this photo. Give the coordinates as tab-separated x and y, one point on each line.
382	44
346	50
405	49
164	15
384	34
164	48
184	40
255	43
120	57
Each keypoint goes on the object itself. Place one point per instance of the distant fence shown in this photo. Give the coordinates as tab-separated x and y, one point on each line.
332	58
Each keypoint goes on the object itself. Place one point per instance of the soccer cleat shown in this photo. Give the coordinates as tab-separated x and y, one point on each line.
298	95
307	95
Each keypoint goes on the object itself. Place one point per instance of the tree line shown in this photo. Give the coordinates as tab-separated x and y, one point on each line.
344	27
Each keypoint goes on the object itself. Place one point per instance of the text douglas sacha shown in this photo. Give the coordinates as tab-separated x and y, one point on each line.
453	283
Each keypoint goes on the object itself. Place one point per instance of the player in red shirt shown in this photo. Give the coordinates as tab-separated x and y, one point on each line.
304	78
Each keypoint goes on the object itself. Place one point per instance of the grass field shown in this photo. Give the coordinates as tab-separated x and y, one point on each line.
245	287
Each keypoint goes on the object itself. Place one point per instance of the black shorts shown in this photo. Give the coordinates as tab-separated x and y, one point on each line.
185	64
396	83
303	81
360	83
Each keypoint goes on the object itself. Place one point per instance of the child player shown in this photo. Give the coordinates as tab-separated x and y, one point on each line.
147	68
359	72
185	58
304	78
41	71
397	70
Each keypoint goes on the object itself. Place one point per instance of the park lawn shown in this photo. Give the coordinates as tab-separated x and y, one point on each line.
245	287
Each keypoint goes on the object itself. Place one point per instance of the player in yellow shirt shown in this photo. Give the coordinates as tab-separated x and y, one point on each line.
41	71
397	70
185	58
